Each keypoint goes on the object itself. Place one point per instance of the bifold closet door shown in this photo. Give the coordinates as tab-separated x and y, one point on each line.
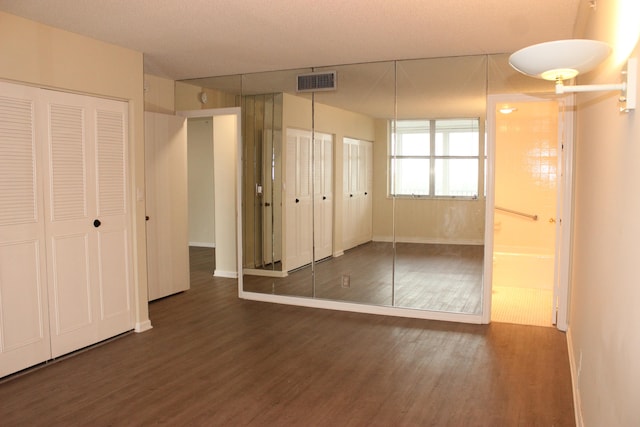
323	196
24	324
88	244
365	185
298	199
357	195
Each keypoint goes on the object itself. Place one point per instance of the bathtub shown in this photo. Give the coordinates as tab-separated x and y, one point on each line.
523	268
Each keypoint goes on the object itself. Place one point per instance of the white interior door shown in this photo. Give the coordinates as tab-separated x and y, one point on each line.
24	324
166	204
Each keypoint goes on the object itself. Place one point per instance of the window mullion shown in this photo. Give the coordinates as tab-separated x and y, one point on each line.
432	157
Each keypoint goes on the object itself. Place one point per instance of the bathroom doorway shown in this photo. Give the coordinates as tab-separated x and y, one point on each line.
526	139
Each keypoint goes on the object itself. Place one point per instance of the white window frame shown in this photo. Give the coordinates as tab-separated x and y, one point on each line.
432	157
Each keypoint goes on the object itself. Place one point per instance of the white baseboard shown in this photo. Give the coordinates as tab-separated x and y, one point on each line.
573	364
203	244
227	274
143	326
264	273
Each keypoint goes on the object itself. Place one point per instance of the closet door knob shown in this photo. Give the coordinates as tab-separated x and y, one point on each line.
297	200
324	197
96	223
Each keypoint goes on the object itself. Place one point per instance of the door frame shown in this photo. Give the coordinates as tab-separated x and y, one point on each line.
227	229
564	205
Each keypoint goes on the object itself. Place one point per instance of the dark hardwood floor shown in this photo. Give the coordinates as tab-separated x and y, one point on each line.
212	359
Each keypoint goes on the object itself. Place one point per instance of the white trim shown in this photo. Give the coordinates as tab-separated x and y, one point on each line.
237	111
363	308
209	112
203	244
264	273
226	274
565	214
143	326
490	200
575	379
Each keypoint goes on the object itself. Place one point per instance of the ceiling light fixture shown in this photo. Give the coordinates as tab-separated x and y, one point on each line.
507	110
564	59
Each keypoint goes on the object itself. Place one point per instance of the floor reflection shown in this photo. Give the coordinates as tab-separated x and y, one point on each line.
427	277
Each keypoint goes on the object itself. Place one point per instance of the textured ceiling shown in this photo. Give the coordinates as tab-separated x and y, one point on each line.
184	39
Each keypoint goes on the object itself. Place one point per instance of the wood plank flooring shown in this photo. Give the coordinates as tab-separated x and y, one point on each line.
427	276
212	359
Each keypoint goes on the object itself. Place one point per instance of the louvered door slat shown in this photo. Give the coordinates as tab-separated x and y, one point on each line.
111	165
17	162
68	168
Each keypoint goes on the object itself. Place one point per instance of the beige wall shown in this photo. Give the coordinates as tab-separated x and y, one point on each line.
201	182
187	97
604	321
159	94
39	55
226	137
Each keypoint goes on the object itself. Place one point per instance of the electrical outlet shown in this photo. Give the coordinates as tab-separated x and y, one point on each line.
346	281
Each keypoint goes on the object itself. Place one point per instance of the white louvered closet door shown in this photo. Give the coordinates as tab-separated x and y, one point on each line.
357	193
323	196
298	201
88	250
24	325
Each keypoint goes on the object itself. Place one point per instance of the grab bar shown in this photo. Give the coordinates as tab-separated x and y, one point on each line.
533	217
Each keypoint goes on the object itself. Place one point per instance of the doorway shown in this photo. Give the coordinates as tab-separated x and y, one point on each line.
225	131
526	193
201	188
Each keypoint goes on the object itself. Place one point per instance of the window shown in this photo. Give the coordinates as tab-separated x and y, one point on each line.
437	158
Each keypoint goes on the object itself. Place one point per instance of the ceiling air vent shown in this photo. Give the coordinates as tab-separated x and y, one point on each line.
315	82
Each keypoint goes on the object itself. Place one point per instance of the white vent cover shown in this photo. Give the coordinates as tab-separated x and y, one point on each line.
315	82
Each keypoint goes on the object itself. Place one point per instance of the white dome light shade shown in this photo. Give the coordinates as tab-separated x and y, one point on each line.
561	59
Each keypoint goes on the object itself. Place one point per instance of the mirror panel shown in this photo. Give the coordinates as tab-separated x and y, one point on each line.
277	199
437	177
419	244
353	244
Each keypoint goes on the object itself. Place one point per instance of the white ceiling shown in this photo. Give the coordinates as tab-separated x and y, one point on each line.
184	39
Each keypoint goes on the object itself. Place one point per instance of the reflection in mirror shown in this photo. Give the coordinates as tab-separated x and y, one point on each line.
371	193
276	174
437	179
352	123
262	138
